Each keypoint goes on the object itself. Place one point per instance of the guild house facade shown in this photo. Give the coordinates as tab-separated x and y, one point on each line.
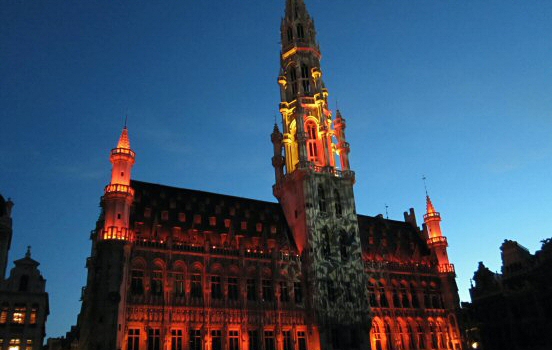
175	268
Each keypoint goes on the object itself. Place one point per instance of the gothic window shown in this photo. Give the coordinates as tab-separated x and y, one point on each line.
216	288
300	31
421	336
179	286
288	345
293	80
376	335
269	340
216	339
326	248
427	300
302	340
233	340
195	339
284	293
24	283
433	335
137	282
344	245
338	208
254	340
383	297
312	141
233	293
298	292
321	199
197	289
305	78
154	339
267	290
176	339
251	289
404	296
396	299
415	300
289	34
133	342
157	282
387	329
410	337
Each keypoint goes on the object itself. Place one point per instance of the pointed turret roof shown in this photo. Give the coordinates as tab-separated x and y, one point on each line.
429	206
124	141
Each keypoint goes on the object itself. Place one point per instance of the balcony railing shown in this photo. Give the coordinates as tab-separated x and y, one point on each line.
446	268
119	188
437	240
118	151
432	215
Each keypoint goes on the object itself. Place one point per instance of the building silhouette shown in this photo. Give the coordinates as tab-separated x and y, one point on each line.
174	268
23	298
511	310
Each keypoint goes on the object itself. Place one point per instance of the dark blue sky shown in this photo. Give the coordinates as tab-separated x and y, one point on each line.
457	90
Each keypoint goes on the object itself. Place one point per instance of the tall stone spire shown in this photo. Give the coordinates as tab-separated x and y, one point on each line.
309	139
436	241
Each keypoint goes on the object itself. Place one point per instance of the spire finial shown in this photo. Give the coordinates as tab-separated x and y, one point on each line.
425	185
28	253
126	117
386	212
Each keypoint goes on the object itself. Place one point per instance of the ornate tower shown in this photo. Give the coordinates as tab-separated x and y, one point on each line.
102	318
316	193
438	245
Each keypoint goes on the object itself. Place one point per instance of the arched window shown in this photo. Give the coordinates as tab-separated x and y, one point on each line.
338	208
300	32
421	336
404	296
321	199
410	336
396	299
433	335
216	287
312	142
383	297
137	281
414	293
289	34
157	281
376	335
388	339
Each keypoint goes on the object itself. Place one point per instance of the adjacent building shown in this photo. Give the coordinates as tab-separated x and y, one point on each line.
23	297
511	309
174	268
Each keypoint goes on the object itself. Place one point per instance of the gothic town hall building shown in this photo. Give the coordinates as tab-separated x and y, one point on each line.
175	268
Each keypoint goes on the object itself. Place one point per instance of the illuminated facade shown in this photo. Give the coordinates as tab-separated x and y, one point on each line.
23	299
177	269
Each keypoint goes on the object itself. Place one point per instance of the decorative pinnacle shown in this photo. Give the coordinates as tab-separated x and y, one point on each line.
28	253
425	186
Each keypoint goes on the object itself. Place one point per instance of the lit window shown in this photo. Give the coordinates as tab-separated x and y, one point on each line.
15	344
4	315
312	142
182	217
34	313
29	344
19	315
213	221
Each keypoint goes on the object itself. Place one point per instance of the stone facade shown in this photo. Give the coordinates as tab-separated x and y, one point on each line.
174	268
